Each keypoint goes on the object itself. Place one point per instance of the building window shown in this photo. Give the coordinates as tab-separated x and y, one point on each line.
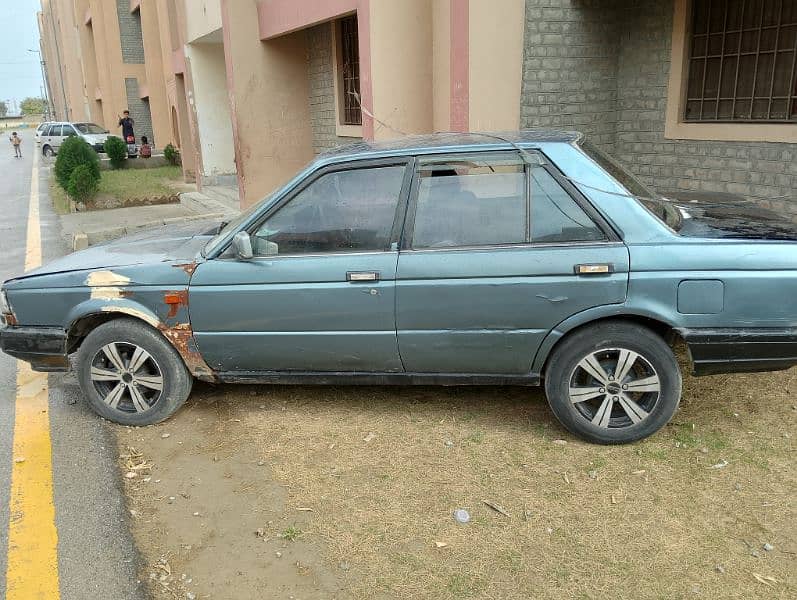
742	61
349	72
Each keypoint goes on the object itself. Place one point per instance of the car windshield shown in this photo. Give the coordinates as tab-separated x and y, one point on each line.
213	244
661	208
89	128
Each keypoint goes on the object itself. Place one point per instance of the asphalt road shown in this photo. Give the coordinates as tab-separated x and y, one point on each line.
96	556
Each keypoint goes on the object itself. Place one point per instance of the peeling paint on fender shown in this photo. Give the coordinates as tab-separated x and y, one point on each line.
181	337
107	285
139	314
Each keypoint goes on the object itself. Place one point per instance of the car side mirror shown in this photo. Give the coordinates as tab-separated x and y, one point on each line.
107	131
242	244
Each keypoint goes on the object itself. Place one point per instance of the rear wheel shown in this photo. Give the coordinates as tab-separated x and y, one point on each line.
613	383
48	151
131	375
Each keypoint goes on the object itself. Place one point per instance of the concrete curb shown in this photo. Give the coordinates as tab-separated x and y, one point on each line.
82	240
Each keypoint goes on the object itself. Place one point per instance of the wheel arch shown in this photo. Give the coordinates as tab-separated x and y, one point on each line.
660	325
87	317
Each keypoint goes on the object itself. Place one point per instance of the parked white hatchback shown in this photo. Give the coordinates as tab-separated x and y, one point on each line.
54	134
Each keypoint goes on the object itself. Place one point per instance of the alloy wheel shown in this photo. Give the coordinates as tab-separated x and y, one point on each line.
126	377
614	388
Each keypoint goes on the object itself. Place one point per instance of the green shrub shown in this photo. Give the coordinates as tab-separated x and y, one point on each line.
171	154
73	152
116	149
83	183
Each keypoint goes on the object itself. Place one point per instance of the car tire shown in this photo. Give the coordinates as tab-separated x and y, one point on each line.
613	383
130	374
48	151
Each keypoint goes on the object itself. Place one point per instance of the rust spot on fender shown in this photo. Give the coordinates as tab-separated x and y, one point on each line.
187	267
174	300
181	336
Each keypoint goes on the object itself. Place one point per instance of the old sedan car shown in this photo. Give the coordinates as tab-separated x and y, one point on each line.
448	259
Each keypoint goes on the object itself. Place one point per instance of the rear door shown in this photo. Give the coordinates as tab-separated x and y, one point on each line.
319	295
490	260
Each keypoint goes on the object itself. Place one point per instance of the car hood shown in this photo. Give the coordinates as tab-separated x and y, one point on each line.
168	243
730	216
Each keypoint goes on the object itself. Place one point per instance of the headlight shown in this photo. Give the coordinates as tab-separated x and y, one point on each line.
5	307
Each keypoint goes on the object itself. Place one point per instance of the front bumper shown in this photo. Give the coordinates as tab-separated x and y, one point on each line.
43	347
735	350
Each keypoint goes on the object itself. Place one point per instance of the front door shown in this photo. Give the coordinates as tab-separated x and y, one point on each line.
319	294
488	265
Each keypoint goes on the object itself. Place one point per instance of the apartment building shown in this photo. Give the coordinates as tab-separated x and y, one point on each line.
692	95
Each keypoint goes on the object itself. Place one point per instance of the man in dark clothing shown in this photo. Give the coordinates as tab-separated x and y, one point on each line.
126	123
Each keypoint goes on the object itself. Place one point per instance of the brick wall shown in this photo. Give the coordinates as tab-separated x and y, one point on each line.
762	171
570	68
130	33
610	81
322	92
139	112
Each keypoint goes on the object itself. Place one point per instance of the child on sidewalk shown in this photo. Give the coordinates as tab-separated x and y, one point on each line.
16	141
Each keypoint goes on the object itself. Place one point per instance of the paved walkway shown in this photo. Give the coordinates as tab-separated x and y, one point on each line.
101	225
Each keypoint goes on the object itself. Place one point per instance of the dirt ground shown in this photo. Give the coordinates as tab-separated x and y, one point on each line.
348	492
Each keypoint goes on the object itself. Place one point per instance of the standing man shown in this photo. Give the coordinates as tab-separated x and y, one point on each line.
126	123
16	141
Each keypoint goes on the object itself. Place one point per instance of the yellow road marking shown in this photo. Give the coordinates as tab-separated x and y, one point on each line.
32	571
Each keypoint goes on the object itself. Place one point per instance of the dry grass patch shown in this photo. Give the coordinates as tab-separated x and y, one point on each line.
383	469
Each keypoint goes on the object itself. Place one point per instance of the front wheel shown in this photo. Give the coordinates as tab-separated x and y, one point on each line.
613	383
131	375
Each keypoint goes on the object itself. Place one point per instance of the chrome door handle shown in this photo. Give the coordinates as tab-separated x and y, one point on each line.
362	276
594	269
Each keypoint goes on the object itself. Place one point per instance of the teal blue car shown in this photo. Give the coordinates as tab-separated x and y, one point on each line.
520	258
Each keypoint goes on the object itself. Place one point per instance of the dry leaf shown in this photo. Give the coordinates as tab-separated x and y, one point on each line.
371	435
614	500
765	579
441	544
497	508
304	509
640	472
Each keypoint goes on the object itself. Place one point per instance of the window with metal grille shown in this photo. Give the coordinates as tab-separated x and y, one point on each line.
742	61
349	72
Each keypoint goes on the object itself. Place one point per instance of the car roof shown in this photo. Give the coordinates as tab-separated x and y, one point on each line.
437	142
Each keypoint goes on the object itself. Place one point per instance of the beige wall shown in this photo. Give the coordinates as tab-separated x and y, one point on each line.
155	69
496	64
268	90
401	67
210	103
441	64
202	17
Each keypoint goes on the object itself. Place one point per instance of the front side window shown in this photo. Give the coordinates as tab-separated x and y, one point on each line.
486	201
343	211
742	61
69	131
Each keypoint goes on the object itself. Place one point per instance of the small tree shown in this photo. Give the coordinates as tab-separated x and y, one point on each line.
32	106
171	154
116	150
3	108
83	183
73	152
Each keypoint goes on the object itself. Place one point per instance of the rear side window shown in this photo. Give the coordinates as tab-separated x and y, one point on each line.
494	199
55	130
471	201
555	216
